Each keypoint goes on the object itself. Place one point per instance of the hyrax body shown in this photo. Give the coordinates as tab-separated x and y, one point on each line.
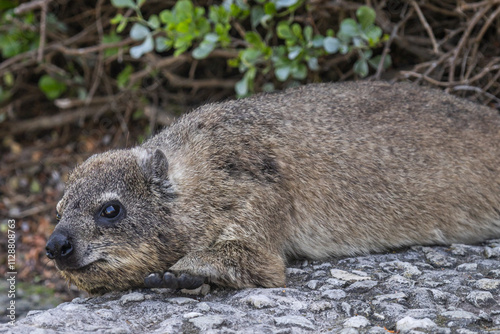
234	189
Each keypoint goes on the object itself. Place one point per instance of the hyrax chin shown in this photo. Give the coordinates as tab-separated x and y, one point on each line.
233	190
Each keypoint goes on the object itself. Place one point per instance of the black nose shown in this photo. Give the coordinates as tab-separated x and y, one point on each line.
58	246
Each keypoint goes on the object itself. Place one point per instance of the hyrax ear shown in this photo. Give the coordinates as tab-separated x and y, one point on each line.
153	163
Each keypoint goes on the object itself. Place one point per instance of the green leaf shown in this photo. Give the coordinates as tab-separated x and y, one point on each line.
268	87
146	46
308	32
376	60
8	79
250	56
254	39
154	21
166	16
35	187
9	46
184	27
245	85
283	30
373	34
203	50
349	28
331	44
366	16
108	39
124	76
256	15
185	6
297	30
293	52
211	38
51	87
361	68
299	72
239	12
344	48
138	114
284	3
270	8
367	54
318	41
312	63
241	87
162	44
123	4
81	93
358	42
205	47
121	26
117	19
233	62
282	73
139	32
4	96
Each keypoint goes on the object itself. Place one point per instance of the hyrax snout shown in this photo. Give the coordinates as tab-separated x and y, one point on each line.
233	190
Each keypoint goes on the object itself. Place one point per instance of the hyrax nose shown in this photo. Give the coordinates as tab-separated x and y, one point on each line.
58	246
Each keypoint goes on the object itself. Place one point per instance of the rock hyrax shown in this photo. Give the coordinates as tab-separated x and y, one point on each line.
233	190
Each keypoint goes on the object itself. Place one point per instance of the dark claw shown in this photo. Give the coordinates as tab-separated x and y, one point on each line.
153	281
170	281
190	282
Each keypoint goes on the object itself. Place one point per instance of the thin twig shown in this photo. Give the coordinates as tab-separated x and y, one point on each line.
479	37
477	90
98	68
43	28
29	6
50	122
465	37
387	45
91	49
427	27
178	81
426	78
475	5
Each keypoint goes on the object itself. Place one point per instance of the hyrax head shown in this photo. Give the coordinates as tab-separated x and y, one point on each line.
114	221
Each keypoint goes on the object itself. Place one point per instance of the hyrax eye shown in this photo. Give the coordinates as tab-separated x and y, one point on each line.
110	211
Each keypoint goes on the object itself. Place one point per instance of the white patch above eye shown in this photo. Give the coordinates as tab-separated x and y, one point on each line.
109	196
59	206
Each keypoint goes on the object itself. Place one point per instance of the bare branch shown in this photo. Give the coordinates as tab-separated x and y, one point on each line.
426	26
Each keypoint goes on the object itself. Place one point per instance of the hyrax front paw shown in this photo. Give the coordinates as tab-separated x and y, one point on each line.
171	281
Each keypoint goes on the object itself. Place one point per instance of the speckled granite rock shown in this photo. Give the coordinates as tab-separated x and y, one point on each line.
419	290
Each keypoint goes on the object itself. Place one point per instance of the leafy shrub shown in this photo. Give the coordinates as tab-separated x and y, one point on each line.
274	43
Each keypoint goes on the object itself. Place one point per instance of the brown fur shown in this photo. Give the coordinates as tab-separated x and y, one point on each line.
317	171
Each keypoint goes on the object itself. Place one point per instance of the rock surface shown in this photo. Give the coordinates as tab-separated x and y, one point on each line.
419	290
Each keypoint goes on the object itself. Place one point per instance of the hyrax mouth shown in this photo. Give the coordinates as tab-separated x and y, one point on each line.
102	276
85	268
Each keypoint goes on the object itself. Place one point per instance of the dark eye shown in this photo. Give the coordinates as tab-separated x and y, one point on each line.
58	216
110	211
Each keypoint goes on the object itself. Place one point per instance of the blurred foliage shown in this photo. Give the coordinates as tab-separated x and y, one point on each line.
267	41
273	43
134	53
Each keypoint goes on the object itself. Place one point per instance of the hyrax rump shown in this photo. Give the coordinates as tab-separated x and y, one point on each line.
233	190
